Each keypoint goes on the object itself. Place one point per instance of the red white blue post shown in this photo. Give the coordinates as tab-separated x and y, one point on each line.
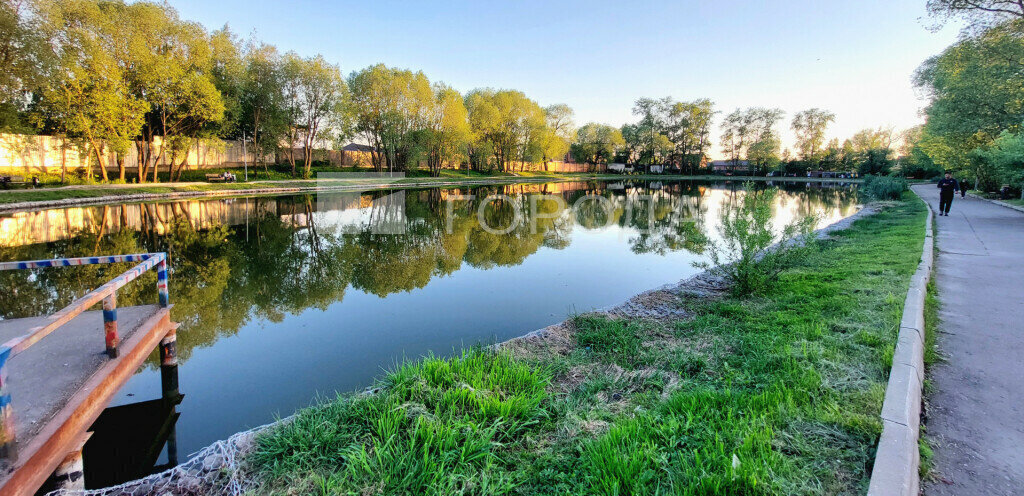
110	324
161	282
7	446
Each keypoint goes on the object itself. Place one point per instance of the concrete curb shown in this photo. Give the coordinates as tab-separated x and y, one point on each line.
997	202
897	460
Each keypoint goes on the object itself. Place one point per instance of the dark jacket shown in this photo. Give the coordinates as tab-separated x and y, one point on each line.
948	186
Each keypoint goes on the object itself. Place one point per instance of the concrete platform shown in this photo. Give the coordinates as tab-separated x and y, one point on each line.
61	384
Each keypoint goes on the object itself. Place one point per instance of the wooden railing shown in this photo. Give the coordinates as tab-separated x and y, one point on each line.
106	293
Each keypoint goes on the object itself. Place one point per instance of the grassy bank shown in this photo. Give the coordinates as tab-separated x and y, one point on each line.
777	393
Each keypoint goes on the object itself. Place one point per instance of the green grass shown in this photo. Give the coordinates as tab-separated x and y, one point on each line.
771	394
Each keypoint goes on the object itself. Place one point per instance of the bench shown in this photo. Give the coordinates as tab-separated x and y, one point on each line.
218	178
7	181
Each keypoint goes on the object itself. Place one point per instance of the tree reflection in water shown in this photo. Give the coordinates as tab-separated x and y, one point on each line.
292	253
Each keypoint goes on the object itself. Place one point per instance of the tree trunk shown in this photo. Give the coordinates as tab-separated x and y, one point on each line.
120	166
98	149
63	159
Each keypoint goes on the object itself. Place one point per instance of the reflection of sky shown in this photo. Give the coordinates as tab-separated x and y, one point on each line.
270	368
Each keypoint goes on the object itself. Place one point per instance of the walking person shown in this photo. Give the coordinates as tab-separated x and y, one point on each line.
947	187
963	188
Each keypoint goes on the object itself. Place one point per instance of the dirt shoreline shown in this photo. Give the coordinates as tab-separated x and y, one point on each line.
216	469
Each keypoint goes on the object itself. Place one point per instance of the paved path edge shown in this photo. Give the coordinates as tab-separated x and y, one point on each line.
997	202
897	460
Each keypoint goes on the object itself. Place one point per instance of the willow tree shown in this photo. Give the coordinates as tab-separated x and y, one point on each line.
89	98
263	116
508	122
597	143
323	101
559	131
810	126
25	56
388	105
446	131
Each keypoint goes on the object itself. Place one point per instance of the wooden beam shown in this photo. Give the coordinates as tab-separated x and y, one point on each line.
40	457
70	474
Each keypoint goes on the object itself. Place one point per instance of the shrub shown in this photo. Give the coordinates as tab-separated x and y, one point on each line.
884	187
751	254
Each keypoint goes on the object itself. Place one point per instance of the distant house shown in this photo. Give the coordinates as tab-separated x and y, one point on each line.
729	166
355	154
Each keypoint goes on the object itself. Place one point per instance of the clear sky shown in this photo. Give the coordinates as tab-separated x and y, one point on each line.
855	58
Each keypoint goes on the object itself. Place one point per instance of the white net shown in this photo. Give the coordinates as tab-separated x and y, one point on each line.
214	470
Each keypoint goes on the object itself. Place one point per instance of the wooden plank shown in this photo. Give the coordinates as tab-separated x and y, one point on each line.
40	457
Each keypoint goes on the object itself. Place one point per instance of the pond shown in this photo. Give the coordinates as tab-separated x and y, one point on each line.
286	299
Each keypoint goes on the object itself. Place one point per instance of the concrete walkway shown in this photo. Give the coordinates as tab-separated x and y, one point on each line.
975	416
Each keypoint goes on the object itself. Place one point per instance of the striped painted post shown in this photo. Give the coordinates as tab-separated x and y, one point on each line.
110	324
7	439
169	366
161	282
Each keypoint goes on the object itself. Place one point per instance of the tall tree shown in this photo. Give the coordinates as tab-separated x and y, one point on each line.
323	100
688	126
597	143
738	130
25	56
810	126
88	98
389	105
509	122
975	94
559	131
263	116
446	130
763	152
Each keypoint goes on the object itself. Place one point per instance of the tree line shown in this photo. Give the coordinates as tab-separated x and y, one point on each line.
976	97
678	134
108	75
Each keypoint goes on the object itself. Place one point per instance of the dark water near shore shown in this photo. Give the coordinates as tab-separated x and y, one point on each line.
286	299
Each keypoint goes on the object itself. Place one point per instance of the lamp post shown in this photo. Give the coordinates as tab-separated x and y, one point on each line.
245	159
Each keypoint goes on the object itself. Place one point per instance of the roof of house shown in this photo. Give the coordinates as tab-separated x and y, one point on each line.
726	163
356	147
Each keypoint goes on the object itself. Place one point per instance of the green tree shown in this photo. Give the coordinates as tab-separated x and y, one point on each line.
752	130
1006	157
323	103
810	126
510	123
388	106
559	131
446	133
763	152
26	58
88	98
597	143
975	94
263	116
688	126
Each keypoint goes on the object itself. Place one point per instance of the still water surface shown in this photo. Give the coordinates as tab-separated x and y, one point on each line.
286	299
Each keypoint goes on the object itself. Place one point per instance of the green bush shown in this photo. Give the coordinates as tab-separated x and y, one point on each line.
884	187
751	252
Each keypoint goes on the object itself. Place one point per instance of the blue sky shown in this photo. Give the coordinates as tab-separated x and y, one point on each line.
855	58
